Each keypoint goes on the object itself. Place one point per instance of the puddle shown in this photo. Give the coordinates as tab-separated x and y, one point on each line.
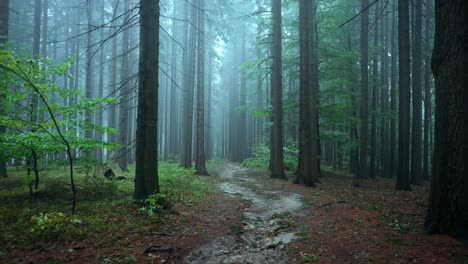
266	229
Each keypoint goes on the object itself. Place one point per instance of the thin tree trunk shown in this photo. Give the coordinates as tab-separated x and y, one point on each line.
427	94
364	169
416	177
124	96
4	26
393	100
375	88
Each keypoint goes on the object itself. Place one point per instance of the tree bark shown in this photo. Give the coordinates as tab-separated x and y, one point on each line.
448	202
276	162
146	173
200	161
364	168
308	145
427	94
416	142
189	88
403	177
375	89
393	98
4	26
124	96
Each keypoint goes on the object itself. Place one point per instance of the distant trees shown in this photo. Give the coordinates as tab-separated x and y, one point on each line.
448	203
146	173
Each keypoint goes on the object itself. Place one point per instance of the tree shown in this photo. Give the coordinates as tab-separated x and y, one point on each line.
124	95
448	202
200	160
188	61
146	172
4	25
427	93
363	172
403	180
308	148
416	142
276	162
375	85
393	99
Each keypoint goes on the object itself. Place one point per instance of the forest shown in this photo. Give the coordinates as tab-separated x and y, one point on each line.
233	131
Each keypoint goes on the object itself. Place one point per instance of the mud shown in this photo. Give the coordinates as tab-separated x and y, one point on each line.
266	230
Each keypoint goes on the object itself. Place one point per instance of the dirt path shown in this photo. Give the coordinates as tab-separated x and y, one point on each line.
266	230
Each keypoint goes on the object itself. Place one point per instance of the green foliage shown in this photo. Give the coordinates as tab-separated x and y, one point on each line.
261	156
54	225
309	258
402	228
99	187
153	203
179	184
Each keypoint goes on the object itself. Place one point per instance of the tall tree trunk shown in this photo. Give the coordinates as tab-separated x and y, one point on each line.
146	172
189	79
208	114
393	98
99	114
403	179
112	114
364	168
124	95
375	88
4	25
276	162
45	27
384	121
427	93
200	161
242	139
173	134
308	144
448	203
89	133
416	177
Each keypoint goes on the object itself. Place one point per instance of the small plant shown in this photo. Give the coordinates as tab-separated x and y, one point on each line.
55	224
153	203
401	227
309	258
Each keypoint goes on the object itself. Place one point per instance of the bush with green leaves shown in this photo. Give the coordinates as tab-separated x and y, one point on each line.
153	203
54	225
261	156
179	184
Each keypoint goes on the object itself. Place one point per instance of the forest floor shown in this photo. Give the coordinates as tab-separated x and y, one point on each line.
246	218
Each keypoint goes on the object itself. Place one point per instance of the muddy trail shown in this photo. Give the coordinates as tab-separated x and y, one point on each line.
266	227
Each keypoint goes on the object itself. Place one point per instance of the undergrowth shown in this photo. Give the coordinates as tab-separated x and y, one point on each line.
104	206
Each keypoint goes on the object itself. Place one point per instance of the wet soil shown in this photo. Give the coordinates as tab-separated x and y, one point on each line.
266	229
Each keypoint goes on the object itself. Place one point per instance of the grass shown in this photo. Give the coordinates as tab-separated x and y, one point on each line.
103	207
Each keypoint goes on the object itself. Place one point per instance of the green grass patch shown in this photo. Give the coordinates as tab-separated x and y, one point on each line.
104	207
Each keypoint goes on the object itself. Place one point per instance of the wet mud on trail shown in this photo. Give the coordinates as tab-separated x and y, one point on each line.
266	230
